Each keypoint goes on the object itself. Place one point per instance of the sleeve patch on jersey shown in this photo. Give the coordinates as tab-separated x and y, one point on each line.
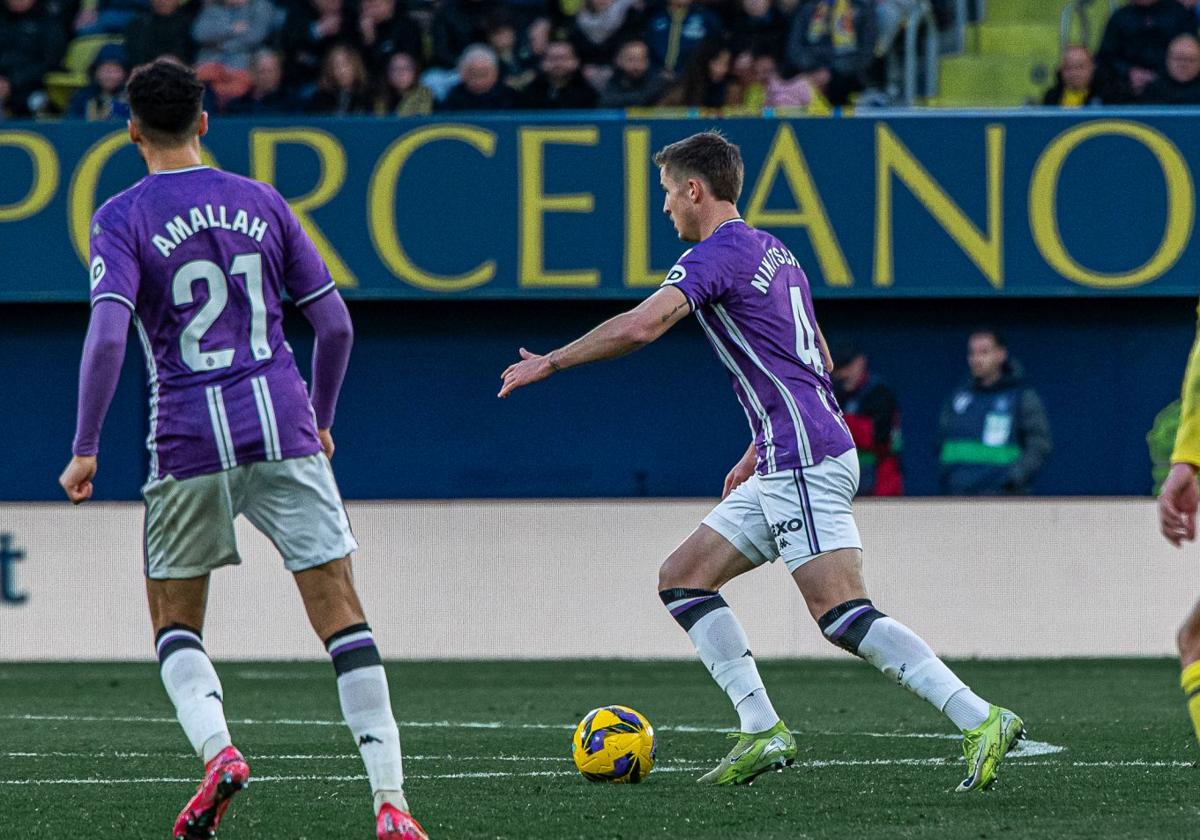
675	275
98	269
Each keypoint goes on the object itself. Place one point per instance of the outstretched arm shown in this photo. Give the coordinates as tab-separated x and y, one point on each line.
617	336
103	353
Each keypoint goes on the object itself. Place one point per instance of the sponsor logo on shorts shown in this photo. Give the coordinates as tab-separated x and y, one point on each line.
786	527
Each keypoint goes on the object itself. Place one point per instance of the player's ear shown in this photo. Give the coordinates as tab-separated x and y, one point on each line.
202	126
134	135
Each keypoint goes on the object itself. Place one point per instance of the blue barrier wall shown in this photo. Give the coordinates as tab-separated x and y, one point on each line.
419	418
889	206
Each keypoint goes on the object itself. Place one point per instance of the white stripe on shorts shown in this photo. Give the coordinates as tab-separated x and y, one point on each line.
220	424
266	417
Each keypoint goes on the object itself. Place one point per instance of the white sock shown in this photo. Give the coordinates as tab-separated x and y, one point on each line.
367	709
193	687
903	655
723	648
756	713
967	709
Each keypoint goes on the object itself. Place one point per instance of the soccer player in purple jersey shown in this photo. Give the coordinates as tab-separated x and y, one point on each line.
791	494
199	261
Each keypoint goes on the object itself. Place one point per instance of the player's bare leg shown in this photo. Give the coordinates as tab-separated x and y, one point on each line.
689	582
1189	658
177	612
336	614
833	589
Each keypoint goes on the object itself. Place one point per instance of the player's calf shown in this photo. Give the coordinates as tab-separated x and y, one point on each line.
193	686
367	709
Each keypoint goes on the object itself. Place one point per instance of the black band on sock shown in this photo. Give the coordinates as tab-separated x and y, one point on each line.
697	603
848	634
346	631
174	638
353	648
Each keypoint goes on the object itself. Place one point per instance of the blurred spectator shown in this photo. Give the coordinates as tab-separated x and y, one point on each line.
343	87
383	31
873	416
165	29
31	45
833	43
1180	85
600	27
796	92
404	95
705	82
634	83
502	38
103	17
309	32
1134	48
227	33
759	29
678	29
104	98
1076	75
559	85
267	95
479	88
993	430
458	24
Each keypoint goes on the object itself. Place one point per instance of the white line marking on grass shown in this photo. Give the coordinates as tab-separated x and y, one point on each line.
812	764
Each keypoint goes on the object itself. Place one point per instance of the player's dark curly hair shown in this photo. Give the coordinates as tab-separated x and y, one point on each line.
165	98
709	156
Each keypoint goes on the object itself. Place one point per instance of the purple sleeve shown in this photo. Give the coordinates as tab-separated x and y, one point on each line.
103	353
305	278
335	334
698	277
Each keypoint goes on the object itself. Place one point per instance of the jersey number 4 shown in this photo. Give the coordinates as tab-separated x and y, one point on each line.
806	337
250	267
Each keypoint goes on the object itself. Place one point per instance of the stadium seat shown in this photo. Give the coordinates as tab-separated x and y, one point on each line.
81	52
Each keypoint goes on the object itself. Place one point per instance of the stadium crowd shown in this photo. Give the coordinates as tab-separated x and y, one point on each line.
1149	55
420	56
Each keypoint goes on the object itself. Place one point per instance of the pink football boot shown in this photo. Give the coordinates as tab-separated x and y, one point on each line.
224	776
394	824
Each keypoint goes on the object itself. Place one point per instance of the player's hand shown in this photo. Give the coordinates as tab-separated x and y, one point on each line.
76	479
740	473
327	446
1177	505
532	368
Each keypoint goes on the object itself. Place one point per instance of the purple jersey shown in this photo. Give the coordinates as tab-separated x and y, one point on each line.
755	305
203	258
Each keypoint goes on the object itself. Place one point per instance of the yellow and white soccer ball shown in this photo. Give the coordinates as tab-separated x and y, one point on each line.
614	744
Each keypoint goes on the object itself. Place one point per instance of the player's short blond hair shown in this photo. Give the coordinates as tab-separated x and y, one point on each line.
709	157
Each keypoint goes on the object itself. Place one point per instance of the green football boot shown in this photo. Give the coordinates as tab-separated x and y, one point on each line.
752	755
985	747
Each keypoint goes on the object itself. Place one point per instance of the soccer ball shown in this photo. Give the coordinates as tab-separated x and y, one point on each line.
614	744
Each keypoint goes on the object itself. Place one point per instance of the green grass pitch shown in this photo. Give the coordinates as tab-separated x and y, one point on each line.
91	750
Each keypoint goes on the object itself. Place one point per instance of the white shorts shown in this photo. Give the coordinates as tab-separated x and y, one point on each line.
295	503
794	514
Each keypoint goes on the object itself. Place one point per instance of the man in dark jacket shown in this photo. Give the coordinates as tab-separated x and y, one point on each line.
634	83
559	85
1180	85
164	30
1134	48
479	88
833	41
675	31
873	416
31	45
993	430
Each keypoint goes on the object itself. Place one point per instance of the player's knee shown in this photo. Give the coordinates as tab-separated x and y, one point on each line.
1187	640
847	624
